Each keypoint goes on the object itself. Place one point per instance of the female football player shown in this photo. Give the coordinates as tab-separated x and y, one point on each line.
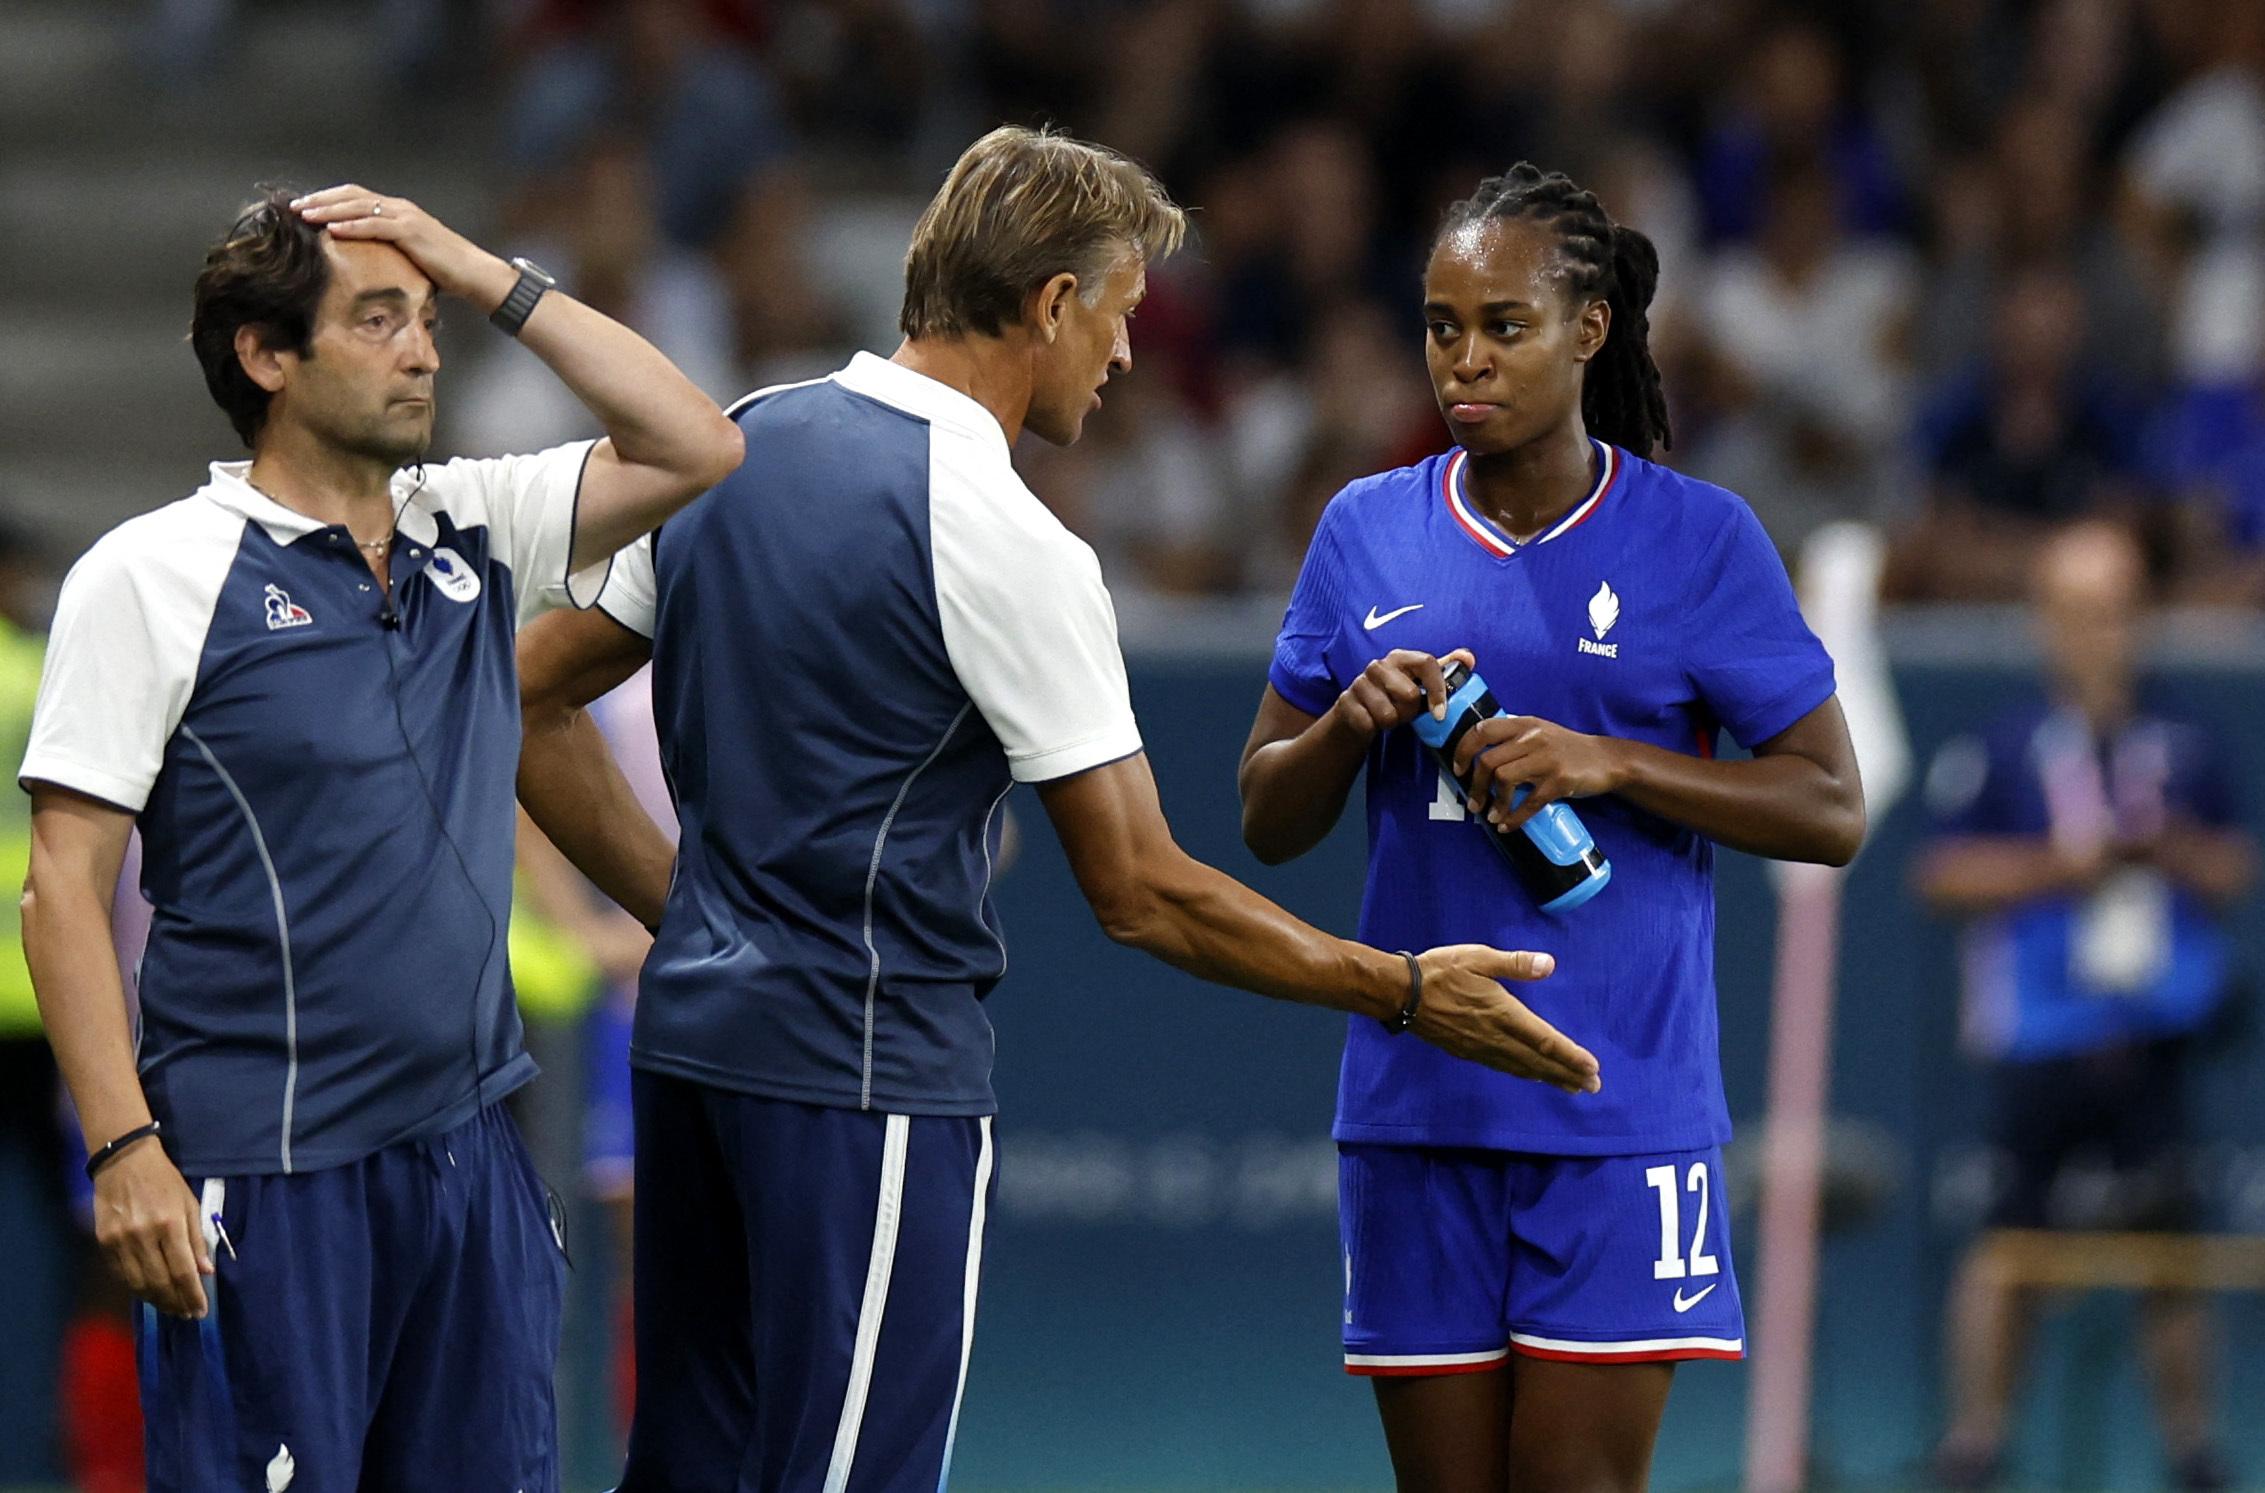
1525	1267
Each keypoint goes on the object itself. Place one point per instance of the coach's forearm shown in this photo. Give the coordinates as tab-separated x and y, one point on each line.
1150	894
82	1001
577	795
1294	790
666	442
1203	921
655	416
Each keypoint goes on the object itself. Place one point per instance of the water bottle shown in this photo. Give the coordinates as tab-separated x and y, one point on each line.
1552	854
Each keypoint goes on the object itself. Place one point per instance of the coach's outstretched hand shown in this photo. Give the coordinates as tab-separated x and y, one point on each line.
456	265
146	1220
1466	1011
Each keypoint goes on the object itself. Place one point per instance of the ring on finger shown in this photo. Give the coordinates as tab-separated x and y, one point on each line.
377	209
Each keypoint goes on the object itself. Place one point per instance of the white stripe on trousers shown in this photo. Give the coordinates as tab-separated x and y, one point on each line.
983	1162
887	1213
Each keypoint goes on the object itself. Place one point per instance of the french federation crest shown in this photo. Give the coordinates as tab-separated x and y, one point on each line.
283	612
457	581
1604	611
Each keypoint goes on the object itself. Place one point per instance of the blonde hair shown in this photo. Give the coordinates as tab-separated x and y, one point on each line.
1020	207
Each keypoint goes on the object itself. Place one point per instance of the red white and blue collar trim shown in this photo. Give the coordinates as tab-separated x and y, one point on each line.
1489	536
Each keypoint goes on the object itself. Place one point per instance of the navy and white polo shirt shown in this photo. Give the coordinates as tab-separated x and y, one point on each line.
861	641
323	776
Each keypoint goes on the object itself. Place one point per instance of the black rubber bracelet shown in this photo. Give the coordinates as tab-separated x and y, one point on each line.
1407	1015
109	1153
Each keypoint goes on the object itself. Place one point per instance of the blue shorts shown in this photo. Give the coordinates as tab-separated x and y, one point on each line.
390	1323
806	1282
1455	1259
609	1125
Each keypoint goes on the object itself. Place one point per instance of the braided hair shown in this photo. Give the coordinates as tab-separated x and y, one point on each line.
1621	401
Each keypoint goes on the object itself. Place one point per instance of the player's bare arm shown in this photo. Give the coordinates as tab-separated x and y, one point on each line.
1153	896
1298	769
666	441
1798	799
145	1217
569	782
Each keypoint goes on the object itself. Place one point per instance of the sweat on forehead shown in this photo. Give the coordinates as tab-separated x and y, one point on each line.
1506	245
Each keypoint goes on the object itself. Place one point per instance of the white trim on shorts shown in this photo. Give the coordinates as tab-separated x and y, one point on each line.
983	1164
1643	1350
888	1213
1424	1363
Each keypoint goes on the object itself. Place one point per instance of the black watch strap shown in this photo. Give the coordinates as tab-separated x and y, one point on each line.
509	317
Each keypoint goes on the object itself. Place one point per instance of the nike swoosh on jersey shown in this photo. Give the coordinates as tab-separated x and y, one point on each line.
1374	622
1683	1306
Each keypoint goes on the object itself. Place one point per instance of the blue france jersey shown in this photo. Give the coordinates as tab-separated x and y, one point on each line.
323	776
1656	611
861	640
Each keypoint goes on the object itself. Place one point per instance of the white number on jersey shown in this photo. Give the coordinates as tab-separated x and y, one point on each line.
1447	802
1671	1265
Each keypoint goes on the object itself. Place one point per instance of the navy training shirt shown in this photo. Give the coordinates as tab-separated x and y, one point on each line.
861	641
325	796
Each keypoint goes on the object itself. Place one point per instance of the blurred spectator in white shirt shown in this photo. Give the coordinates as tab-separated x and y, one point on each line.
1807	327
2196	173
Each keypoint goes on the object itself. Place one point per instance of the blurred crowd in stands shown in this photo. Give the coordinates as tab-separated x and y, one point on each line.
1969	270
1964	268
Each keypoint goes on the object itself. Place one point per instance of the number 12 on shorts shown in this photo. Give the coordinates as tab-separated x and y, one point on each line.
1671	1264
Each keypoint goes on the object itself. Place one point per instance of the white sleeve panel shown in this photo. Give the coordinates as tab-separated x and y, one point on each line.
122	657
528	504
630	595
1028	624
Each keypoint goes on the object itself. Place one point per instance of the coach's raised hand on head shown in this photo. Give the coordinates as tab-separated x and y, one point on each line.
666	441
455	264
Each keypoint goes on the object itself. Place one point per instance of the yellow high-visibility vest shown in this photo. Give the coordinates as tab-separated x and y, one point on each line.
21	654
554	978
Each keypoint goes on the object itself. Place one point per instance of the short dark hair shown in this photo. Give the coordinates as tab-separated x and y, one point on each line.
268	271
1020	207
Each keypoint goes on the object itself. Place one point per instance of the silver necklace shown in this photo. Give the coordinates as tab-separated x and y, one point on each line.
378	547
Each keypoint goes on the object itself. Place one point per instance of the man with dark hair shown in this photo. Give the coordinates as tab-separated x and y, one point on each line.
859	644
300	682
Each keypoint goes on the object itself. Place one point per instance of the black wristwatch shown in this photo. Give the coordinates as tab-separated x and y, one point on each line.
509	317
